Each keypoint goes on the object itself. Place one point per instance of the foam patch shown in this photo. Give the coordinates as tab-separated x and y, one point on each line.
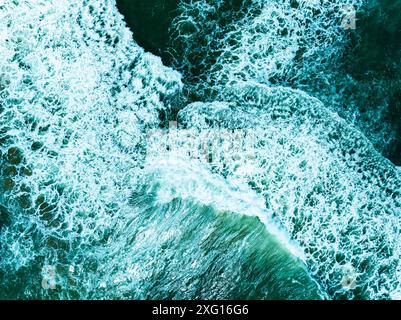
77	97
325	48
323	179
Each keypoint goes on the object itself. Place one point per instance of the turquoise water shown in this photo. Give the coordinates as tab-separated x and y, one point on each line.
277	180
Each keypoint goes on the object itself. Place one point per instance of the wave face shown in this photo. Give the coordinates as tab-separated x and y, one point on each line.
190	234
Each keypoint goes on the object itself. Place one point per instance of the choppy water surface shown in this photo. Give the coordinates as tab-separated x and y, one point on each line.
278	178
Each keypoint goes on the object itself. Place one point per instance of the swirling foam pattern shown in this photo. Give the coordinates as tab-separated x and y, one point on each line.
92	207
302	44
270	42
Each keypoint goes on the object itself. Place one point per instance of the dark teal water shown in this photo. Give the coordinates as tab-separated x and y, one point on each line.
374	60
150	22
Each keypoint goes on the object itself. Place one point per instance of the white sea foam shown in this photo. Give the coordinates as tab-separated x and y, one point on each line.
77	96
266	41
335	194
301	44
78	99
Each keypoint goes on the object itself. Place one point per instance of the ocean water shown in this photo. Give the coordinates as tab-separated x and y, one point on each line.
203	149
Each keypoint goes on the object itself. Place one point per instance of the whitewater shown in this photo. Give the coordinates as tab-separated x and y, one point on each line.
233	173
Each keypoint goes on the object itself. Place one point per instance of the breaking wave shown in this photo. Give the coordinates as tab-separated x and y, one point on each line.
334	193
